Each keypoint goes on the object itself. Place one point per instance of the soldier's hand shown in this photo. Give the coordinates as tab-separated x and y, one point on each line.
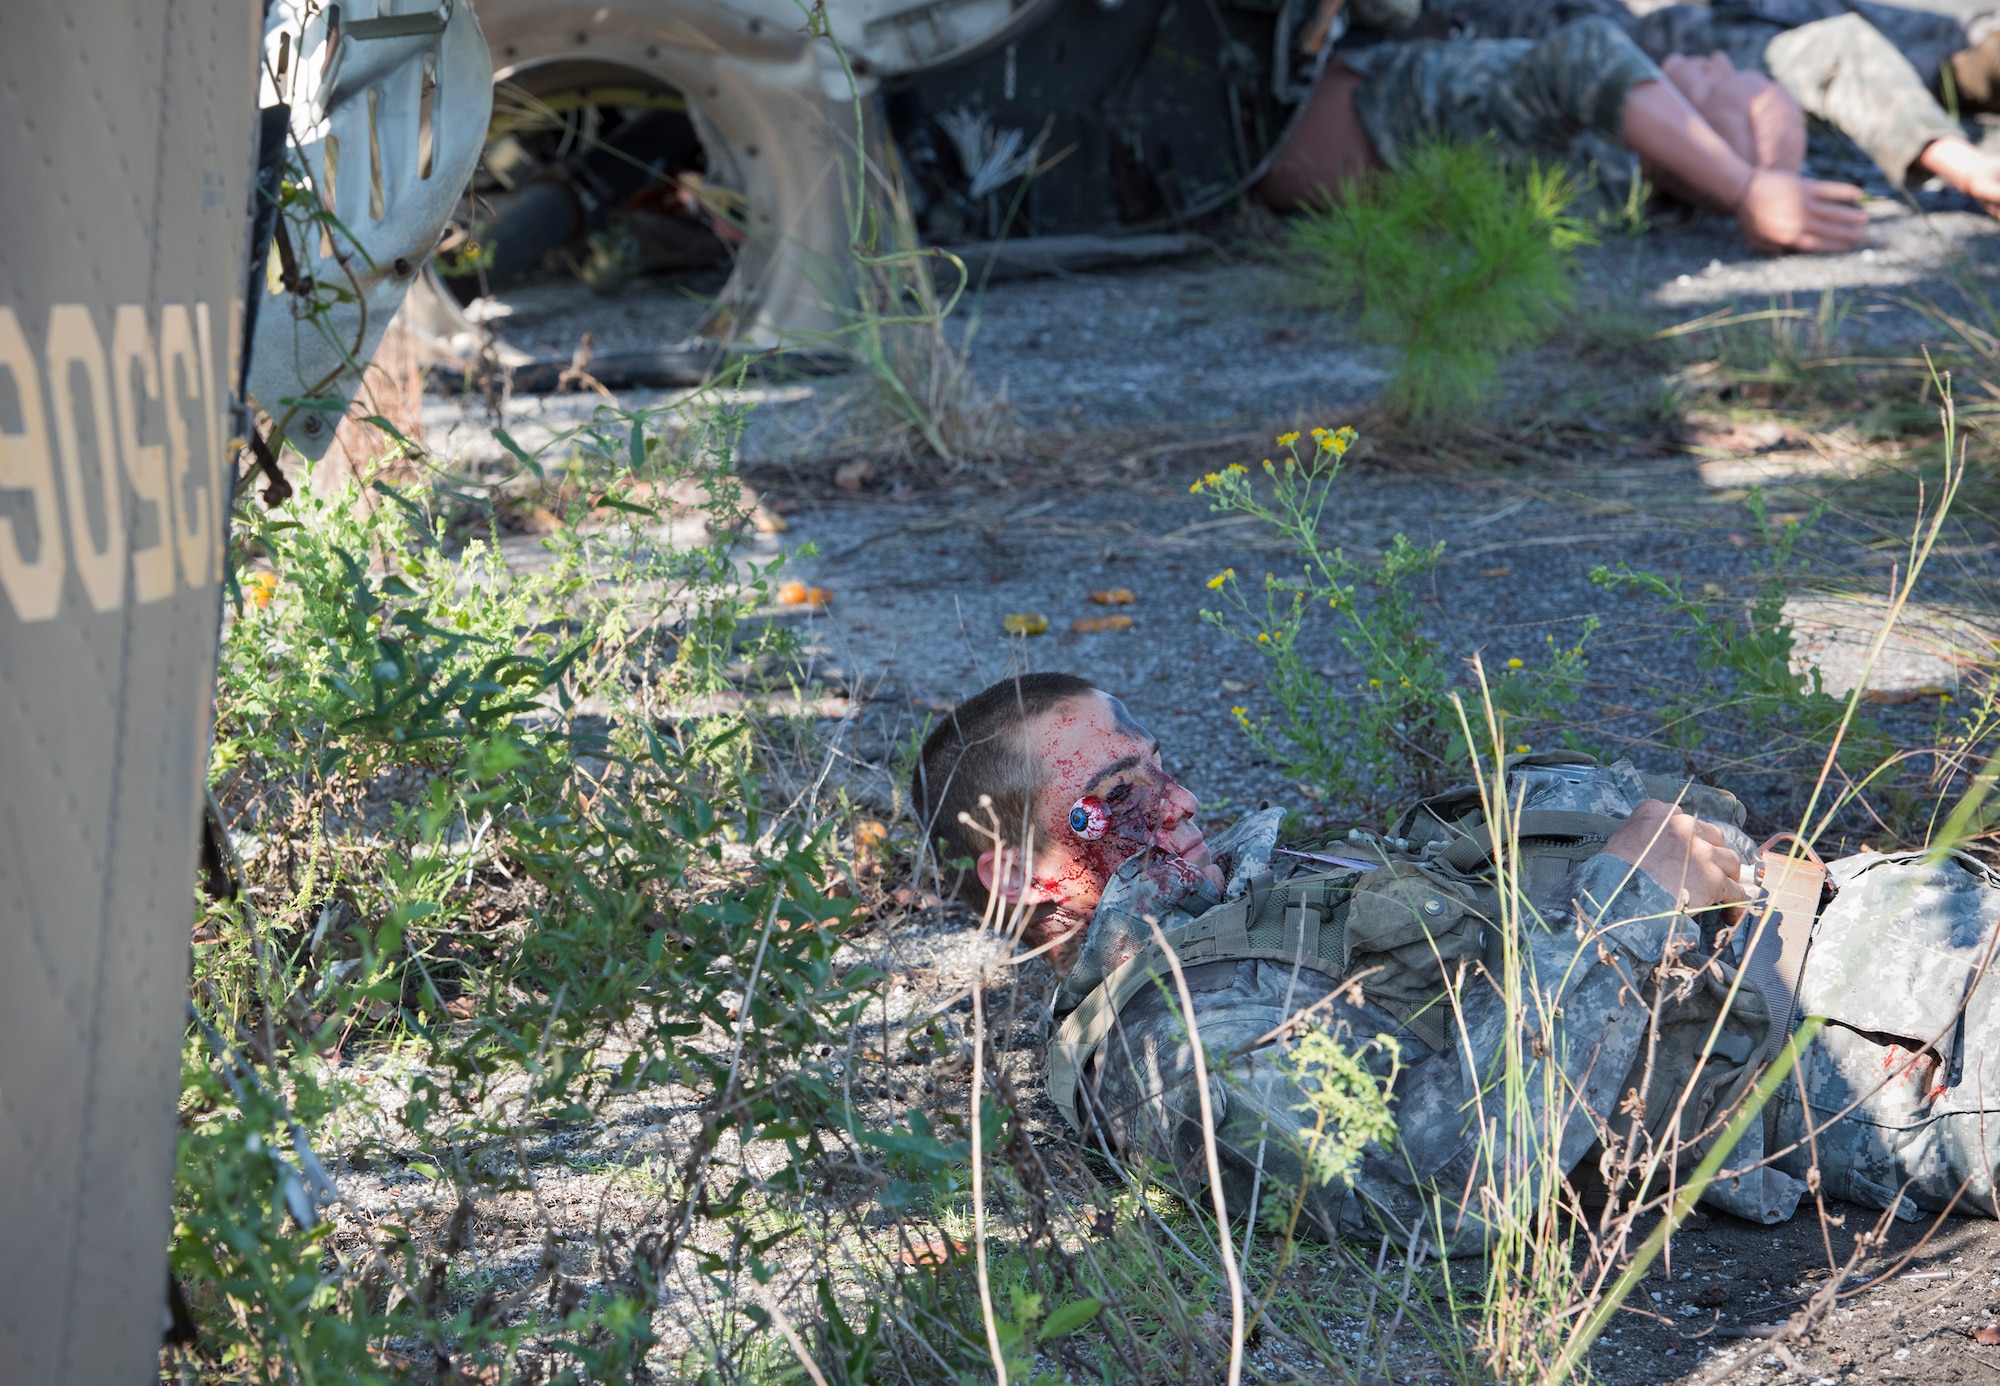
1781	211
1684	855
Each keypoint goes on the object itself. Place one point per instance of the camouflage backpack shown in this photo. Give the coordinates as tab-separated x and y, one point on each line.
1400	912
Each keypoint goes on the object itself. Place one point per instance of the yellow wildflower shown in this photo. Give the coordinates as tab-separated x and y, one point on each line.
1263	637
1522	747
1216	582
1341	441
1241	714
261	586
1374	683
1285	440
1238	469
1516	664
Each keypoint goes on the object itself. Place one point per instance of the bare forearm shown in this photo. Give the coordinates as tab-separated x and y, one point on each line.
1966	167
1957	161
1679	148
1777	209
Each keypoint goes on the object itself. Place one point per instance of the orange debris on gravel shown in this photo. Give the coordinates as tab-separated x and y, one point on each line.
1090	625
798	594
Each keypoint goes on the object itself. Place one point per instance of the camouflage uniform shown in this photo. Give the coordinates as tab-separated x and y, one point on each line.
1911	1063
1556	100
1867	69
1893	955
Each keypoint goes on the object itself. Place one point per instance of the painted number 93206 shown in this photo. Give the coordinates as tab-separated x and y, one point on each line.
112	462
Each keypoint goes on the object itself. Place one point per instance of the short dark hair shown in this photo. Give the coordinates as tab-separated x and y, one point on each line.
979	748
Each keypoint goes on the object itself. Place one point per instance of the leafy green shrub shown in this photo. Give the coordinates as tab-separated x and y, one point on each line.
1453	259
1396	730
532	911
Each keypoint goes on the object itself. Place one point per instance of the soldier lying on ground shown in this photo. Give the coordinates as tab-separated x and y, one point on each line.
1585	95
1633	953
1881	73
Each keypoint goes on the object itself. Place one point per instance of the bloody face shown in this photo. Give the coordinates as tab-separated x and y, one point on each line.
1090	751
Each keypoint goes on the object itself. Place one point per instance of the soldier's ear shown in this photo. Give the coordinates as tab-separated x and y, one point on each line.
1002	874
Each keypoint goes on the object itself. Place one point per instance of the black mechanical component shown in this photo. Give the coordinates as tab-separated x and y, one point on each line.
277	490
573	196
273	123
1129	115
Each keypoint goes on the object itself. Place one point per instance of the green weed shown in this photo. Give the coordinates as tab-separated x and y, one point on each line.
1394	731
1453	260
541	912
1746	655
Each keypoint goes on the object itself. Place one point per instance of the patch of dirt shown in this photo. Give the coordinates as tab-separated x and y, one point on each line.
1692	1317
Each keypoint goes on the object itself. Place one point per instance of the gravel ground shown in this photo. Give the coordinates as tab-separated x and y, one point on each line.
1132	383
1128	385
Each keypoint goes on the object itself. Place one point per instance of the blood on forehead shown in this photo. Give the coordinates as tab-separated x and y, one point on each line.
1126	723
1084	741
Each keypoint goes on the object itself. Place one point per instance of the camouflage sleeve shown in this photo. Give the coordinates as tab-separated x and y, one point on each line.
1626	909
1392	15
1583	1011
1613	899
1534	98
1846	72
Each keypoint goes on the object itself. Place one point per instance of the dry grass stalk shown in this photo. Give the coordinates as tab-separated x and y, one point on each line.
1223	1240
925	382
986	922
392	388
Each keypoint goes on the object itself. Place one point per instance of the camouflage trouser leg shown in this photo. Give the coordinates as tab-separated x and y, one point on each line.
1903	1083
1555	100
1846	72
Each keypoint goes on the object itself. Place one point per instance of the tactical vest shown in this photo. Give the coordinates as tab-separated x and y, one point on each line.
1428	904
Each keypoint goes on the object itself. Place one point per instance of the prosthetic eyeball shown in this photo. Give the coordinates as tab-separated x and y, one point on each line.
1089	818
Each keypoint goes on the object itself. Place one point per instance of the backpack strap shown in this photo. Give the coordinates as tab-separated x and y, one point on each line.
1473	850
1702	800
